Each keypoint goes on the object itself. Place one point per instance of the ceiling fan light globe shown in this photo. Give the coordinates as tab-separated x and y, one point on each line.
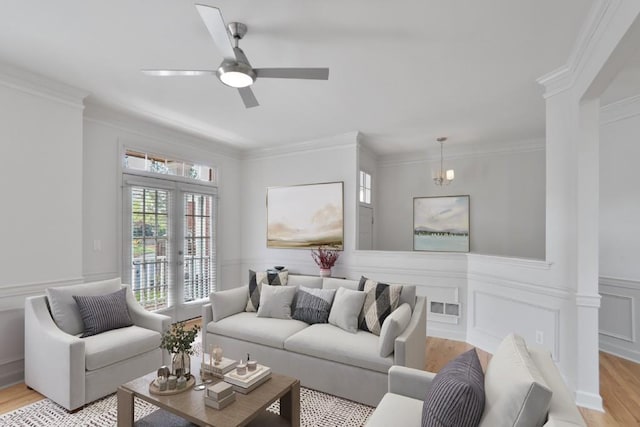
236	75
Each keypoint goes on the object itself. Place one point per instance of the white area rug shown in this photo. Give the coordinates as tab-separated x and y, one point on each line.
317	409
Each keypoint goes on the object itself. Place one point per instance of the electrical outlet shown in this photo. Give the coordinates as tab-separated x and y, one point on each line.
539	337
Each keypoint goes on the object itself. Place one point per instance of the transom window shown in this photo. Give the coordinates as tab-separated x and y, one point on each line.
136	160
365	188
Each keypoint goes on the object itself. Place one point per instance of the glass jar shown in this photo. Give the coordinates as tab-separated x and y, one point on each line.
181	365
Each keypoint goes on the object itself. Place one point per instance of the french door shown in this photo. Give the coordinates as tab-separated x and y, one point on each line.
169	244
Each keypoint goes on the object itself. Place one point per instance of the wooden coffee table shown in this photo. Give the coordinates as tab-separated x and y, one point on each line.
190	404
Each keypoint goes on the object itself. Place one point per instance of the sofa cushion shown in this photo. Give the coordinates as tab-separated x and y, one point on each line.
259	278
306	281
260	330
516	393
346	308
393	326
313	305
396	410
117	345
328	342
228	302
381	299
275	301
333	283
103	313
456	395
64	309
408	295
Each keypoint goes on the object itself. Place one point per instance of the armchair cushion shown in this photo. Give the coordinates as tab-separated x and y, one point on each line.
102	313
117	345
516	392
456	396
64	309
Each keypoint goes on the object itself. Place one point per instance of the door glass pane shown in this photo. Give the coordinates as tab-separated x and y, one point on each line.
149	246
199	250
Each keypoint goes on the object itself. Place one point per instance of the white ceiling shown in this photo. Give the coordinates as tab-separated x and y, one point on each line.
401	72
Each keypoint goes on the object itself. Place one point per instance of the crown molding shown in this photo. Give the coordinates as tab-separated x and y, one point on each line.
43	87
620	110
461	151
153	128
345	140
564	77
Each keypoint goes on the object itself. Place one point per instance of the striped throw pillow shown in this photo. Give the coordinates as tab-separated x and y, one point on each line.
456	397
313	305
103	312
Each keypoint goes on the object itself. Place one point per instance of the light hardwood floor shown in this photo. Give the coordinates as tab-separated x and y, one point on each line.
619	385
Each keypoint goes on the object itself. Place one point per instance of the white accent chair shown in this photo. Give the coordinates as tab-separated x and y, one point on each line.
74	371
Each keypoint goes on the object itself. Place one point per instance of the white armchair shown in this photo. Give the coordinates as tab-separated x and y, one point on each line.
74	371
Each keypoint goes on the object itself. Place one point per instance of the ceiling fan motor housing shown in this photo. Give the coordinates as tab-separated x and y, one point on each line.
238	73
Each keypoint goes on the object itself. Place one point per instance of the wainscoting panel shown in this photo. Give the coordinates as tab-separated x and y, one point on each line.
618	322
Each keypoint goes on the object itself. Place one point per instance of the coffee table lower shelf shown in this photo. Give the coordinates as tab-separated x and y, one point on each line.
247	410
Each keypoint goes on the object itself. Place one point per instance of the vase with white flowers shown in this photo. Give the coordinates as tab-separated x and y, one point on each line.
179	342
326	259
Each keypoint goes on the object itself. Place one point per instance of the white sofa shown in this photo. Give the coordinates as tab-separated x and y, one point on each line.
507	387
324	357
74	371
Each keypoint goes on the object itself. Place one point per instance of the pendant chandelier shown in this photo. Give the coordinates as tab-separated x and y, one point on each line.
443	177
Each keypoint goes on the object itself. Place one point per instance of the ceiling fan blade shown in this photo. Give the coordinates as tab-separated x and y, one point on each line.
248	97
293	73
212	18
169	73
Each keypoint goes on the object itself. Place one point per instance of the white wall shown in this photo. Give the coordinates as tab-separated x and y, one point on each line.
41	187
620	230
106	132
506	189
438	276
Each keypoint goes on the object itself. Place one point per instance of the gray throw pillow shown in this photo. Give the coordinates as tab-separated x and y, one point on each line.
379	303
393	326
456	396
64	308
313	305
346	308
259	278
103	312
275	301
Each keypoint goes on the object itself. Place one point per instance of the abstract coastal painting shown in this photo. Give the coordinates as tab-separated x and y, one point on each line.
305	216
441	224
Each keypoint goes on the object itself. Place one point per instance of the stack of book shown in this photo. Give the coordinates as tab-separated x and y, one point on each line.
249	381
209	369
219	395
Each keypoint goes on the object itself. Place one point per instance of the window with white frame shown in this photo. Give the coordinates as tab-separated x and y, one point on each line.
145	162
365	188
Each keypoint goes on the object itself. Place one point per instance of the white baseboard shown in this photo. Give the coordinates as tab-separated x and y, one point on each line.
434	331
11	373
632	355
589	401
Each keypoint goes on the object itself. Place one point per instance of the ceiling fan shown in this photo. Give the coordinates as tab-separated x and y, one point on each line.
235	70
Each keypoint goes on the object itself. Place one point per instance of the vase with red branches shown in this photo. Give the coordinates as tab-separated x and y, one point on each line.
325	258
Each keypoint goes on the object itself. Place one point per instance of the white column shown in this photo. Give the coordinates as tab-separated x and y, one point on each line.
587	297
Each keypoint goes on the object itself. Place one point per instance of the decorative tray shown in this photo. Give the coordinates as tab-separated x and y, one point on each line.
154	389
